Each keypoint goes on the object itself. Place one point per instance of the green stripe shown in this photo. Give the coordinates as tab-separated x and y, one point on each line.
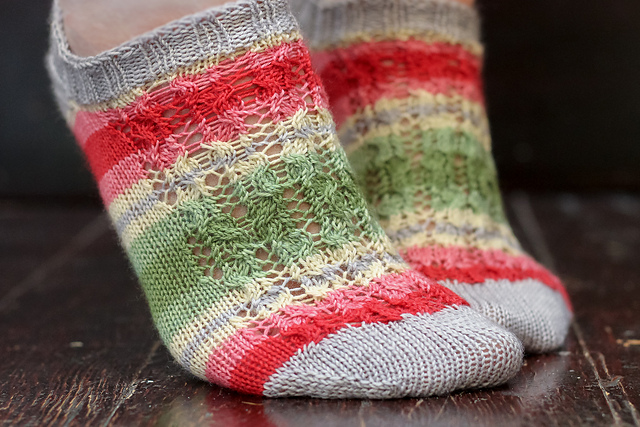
450	167
174	282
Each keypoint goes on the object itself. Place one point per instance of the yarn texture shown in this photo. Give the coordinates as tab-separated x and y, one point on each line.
218	162
404	84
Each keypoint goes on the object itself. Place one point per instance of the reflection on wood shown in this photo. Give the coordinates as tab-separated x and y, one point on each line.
78	347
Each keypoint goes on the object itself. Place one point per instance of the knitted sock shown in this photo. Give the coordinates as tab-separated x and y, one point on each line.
403	79
219	165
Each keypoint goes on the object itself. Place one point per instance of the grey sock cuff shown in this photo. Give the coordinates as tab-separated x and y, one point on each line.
216	32
328	22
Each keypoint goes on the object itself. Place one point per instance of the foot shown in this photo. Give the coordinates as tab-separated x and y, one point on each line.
217	159
404	84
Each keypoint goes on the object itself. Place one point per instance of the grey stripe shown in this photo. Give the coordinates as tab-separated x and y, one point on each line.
452	230
392	116
327	23
140	207
329	273
216	32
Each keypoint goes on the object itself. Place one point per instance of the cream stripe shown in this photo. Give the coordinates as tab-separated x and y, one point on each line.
448	228
421	111
448	240
183	343
196	68
187	177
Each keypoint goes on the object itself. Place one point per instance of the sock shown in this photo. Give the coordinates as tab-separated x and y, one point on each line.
404	84
219	164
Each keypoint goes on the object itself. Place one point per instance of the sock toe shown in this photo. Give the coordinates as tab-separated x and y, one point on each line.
535	313
421	355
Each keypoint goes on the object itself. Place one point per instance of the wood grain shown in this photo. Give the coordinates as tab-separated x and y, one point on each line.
595	244
78	347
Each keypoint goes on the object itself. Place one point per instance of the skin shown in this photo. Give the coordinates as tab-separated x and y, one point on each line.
93	26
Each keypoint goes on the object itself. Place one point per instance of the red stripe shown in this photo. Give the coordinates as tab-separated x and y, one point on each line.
273	83
88	122
385	300
361	74
472	266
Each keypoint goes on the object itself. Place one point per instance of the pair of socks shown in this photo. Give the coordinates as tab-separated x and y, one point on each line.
216	154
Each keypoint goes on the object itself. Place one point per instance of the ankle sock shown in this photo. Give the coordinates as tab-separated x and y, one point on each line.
218	163
404	84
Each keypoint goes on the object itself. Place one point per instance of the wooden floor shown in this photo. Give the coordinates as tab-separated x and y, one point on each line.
77	346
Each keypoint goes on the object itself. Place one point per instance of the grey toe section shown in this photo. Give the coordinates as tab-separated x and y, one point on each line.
535	313
419	356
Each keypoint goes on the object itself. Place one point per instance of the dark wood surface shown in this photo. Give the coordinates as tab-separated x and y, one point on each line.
78	348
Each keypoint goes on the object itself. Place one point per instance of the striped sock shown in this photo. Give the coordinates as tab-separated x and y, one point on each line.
218	162
404	84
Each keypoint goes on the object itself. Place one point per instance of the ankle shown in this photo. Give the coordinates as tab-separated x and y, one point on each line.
93	26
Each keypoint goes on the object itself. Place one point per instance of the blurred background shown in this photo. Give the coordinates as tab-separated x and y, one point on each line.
562	82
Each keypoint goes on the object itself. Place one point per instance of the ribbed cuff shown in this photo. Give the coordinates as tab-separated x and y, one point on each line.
326	23
217	32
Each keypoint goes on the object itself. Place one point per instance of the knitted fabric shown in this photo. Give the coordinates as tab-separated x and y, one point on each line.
218	163
404	83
